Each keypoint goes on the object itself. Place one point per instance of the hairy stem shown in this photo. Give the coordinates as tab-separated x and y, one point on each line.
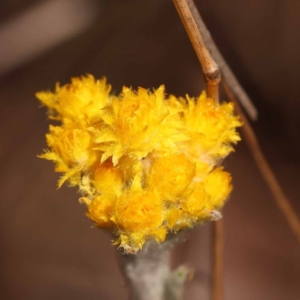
149	275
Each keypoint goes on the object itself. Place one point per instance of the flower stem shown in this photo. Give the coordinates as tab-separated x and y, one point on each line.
149	275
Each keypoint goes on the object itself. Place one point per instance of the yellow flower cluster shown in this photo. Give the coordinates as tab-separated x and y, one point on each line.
145	163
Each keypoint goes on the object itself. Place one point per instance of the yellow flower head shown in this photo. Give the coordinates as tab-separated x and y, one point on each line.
144	162
81	100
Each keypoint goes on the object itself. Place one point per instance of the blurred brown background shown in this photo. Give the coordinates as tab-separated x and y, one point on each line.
48	249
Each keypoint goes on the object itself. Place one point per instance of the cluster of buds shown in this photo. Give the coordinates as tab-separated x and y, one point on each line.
145	163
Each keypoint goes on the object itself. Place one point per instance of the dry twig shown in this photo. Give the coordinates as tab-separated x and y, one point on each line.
210	68
268	174
212	77
218	292
236	94
202	41
227	75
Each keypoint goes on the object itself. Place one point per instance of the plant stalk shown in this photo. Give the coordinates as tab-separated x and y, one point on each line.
148	273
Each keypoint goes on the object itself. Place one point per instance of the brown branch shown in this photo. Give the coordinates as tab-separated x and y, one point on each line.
200	37
227	74
209	67
218	234
212	78
268	174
